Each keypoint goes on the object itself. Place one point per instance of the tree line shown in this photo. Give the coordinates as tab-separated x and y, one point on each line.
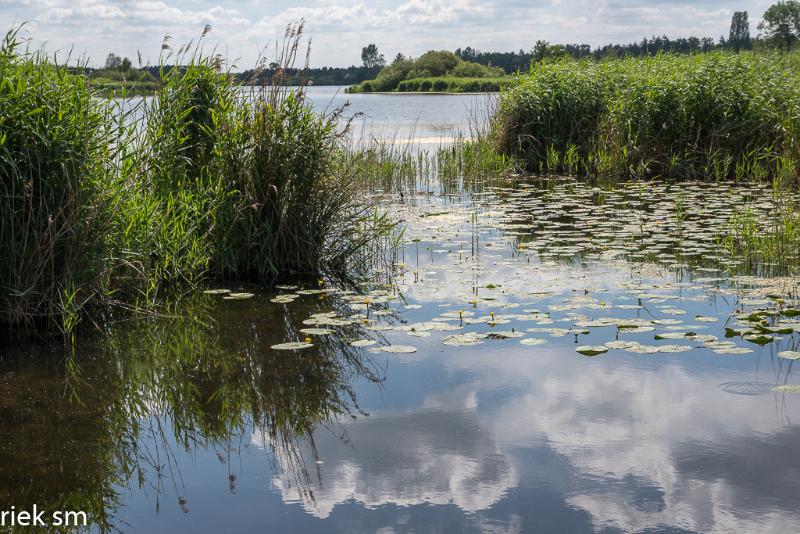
779	28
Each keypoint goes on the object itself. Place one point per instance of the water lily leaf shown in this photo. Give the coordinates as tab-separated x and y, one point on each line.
532	341
464	340
789	355
316	331
788	388
238	296
733	350
295	345
674	348
399	349
588	350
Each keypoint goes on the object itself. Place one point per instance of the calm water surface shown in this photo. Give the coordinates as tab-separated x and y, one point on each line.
430	119
494	423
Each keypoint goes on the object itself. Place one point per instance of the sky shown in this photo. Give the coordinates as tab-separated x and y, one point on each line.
242	29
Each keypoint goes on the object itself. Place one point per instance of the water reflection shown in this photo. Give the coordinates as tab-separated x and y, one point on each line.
432	457
116	415
196	424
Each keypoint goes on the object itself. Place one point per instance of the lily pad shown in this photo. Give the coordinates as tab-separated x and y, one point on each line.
399	349
316	331
788	388
294	345
532	341
588	350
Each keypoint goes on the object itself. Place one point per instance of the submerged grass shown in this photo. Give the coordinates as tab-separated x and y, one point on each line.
709	116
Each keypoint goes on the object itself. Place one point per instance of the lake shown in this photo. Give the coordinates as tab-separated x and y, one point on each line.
424	119
545	355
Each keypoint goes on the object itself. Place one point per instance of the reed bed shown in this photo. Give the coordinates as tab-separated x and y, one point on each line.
116	205
708	116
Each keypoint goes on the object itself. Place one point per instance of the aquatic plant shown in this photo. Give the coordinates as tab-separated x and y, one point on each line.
57	189
127	204
179	171
710	116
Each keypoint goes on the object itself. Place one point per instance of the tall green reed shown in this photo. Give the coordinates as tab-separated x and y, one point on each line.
57	189
709	116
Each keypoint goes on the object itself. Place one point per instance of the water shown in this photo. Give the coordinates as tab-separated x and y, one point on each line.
430	119
169	425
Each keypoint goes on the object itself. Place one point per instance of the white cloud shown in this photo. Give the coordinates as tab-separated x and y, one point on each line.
340	27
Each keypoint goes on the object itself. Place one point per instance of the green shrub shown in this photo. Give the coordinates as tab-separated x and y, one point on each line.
433	64
436	63
180	174
558	105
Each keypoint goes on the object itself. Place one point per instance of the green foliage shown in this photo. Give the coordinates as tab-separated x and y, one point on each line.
177	174
109	206
717	115
739	36
295	212
453	85
781	23
436	62
56	189
420	74
370	57
466	69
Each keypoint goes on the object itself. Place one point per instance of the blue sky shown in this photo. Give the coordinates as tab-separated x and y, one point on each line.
339	28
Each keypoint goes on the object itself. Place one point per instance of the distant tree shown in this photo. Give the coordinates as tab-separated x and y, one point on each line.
540	50
781	23
371	58
113	61
739	36
125	65
435	63
398	58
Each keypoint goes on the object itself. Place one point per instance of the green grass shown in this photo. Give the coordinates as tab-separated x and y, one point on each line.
708	116
443	84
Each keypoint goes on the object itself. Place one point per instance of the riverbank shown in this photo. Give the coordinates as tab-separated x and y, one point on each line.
443	85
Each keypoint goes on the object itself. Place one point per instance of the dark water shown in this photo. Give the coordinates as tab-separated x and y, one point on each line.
199	425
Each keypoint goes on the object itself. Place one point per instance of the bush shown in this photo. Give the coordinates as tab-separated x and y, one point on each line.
558	105
293	214
453	85
436	63
433	64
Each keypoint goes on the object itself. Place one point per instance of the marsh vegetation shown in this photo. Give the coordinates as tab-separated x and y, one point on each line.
302	327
